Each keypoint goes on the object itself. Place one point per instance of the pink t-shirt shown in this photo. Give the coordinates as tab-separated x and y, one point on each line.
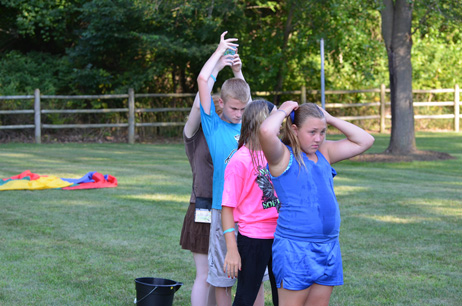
253	200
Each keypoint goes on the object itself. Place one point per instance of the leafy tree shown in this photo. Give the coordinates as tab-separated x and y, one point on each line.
183	34
397	17
284	49
38	25
108	52
20	74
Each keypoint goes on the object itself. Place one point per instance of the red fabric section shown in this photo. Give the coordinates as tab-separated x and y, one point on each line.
100	182
27	173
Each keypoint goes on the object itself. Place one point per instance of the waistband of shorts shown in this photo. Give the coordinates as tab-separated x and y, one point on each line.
306	239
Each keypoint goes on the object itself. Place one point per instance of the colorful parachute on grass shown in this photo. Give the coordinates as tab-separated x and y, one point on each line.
32	181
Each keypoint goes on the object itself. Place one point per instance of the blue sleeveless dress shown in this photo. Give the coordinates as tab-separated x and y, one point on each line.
306	249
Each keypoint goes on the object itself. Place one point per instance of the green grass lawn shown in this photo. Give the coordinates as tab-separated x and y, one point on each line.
401	232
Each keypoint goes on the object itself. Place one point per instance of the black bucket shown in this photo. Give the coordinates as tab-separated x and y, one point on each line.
155	291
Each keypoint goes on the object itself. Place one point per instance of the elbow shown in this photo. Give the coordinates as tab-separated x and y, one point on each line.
369	141
202	79
264	132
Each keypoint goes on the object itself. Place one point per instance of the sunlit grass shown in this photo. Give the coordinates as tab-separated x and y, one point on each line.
160	197
395	219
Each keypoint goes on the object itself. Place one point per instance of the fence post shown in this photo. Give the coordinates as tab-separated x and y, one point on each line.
382	108
303	94
456	107
37	121
131	116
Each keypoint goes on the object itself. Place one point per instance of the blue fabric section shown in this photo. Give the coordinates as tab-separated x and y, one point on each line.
309	209
222	138
87	178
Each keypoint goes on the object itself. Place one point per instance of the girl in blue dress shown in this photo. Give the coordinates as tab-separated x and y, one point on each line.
307	263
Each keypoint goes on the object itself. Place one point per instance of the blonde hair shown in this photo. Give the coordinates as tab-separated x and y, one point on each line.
303	112
235	88
254	114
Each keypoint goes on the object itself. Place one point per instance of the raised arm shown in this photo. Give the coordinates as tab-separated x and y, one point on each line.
194	118
207	69
276	153
237	66
356	142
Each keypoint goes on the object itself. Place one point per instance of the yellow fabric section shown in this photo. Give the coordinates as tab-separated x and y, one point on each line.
46	182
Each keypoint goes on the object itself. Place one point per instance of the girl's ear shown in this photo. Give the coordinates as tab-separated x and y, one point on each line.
294	129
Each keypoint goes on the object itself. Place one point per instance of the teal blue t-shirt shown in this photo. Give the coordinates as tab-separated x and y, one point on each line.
222	138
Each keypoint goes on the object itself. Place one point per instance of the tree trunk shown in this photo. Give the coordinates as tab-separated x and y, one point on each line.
396	31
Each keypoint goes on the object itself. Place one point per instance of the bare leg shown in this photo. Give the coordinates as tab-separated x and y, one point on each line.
319	295
223	296
200	288
260	300
211	299
292	297
315	295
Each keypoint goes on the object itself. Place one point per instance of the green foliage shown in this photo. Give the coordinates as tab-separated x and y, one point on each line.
21	74
108	45
46	26
437	60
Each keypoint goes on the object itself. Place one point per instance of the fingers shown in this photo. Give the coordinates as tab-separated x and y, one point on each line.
232	270
227	60
289	106
236	60
228	42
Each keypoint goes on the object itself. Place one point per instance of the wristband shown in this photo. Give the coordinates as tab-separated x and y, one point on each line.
281	110
229	230
213	78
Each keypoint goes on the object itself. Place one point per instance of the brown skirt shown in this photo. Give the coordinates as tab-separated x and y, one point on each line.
194	236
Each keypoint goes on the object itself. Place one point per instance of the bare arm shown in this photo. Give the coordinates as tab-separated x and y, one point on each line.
232	263
194	118
276	153
236	66
204	75
356	142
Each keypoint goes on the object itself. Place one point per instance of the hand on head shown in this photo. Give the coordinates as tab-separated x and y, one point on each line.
326	114
288	107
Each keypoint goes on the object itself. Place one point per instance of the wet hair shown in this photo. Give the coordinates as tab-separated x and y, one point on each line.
216	102
254	114
301	114
235	88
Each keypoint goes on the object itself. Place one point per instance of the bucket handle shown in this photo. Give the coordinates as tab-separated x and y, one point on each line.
147	295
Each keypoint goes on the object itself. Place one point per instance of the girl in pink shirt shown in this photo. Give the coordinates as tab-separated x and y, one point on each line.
249	200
